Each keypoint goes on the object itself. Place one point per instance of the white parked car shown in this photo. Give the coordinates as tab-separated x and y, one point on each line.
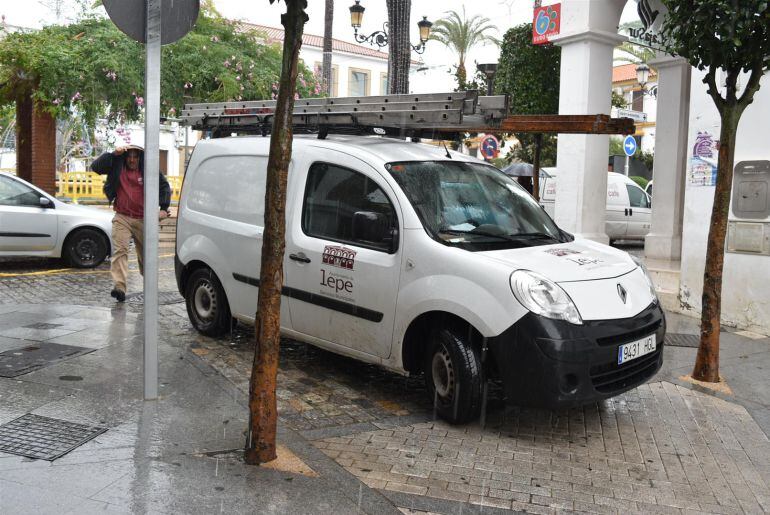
33	223
629	212
419	260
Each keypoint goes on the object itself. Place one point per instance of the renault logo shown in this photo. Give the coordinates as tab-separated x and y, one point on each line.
622	293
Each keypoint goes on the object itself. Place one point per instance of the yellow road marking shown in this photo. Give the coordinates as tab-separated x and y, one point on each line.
74	271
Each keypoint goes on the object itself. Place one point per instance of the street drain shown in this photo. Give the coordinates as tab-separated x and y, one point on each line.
16	362
44	438
682	340
164	298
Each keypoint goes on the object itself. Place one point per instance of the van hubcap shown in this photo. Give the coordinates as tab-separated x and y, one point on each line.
443	373
205	300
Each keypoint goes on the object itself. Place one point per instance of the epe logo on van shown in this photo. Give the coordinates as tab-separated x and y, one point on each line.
340	257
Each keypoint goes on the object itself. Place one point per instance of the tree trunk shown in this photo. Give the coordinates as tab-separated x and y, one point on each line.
263	412
327	59
399	48
462	76
707	360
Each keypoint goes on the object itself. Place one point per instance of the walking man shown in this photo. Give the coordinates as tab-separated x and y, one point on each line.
125	188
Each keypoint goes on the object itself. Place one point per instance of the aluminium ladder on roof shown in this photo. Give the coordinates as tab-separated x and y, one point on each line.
405	115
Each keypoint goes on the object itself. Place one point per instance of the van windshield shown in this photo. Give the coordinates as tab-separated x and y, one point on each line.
474	206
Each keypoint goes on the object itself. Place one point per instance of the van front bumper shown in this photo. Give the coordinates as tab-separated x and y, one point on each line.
554	364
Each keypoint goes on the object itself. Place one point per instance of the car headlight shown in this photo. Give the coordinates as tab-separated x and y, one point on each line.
647	277
543	297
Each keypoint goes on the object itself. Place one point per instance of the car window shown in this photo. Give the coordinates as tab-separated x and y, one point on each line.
14	193
637	197
346	206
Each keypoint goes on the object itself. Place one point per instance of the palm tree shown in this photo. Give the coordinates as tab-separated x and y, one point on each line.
633	53
460	34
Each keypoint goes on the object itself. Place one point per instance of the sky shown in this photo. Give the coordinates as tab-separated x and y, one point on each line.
504	14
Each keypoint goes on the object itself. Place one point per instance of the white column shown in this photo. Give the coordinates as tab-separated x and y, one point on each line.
586	83
665	238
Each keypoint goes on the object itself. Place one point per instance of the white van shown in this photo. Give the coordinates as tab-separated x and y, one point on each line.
419	260
629	212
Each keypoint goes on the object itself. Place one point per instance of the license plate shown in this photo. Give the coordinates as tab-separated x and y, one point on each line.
636	349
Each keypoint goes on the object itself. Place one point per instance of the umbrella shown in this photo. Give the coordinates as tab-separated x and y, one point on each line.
522	170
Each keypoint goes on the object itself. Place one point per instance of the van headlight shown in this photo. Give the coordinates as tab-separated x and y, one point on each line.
647	277
543	297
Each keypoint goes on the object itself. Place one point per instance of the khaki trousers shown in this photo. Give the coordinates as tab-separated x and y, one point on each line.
123	229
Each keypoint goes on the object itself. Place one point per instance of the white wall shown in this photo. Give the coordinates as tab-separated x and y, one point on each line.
344	62
746	279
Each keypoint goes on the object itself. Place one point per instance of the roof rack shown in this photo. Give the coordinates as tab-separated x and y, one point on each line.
433	115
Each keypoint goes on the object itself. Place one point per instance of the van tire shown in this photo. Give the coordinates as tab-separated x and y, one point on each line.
207	304
453	376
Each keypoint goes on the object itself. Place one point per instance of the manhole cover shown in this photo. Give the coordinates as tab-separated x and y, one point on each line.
164	298
42	325
17	362
44	438
682	340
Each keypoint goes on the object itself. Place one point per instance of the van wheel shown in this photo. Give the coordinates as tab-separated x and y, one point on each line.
453	376
207	304
85	248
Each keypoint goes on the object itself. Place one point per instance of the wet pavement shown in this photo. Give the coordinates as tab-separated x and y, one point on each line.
368	436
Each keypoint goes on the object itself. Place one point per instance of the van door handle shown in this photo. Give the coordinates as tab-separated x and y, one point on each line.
301	257
625	212
630	211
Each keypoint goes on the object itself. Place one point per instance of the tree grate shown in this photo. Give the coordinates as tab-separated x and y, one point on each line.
682	340
44	438
164	298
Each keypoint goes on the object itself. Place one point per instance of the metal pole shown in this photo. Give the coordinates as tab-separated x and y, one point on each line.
627	158
536	167
151	193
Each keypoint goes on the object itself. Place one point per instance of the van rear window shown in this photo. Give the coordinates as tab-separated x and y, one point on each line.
231	187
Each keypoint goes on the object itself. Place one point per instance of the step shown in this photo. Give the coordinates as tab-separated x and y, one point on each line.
669	299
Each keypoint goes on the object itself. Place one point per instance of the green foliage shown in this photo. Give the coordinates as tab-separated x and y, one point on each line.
647	157
524	151
529	75
640	181
93	69
616	146
460	34
618	101
723	34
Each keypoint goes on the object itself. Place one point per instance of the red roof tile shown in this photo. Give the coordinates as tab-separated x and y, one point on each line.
626	72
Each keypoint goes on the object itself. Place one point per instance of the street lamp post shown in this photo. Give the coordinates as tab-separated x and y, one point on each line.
489	70
643	77
380	37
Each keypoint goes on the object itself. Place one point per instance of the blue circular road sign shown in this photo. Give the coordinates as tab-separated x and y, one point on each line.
629	146
490	147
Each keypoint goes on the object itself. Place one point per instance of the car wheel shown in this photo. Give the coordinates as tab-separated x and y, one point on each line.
207	304
85	248
453	376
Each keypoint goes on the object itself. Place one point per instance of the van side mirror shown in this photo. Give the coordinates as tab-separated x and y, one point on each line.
45	202
372	227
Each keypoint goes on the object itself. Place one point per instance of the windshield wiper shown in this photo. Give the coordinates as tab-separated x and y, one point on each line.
534	236
475	233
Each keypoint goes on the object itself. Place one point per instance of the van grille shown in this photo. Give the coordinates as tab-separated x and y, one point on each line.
630	336
611	377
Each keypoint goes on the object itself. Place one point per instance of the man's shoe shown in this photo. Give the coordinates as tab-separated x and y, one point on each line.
119	295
